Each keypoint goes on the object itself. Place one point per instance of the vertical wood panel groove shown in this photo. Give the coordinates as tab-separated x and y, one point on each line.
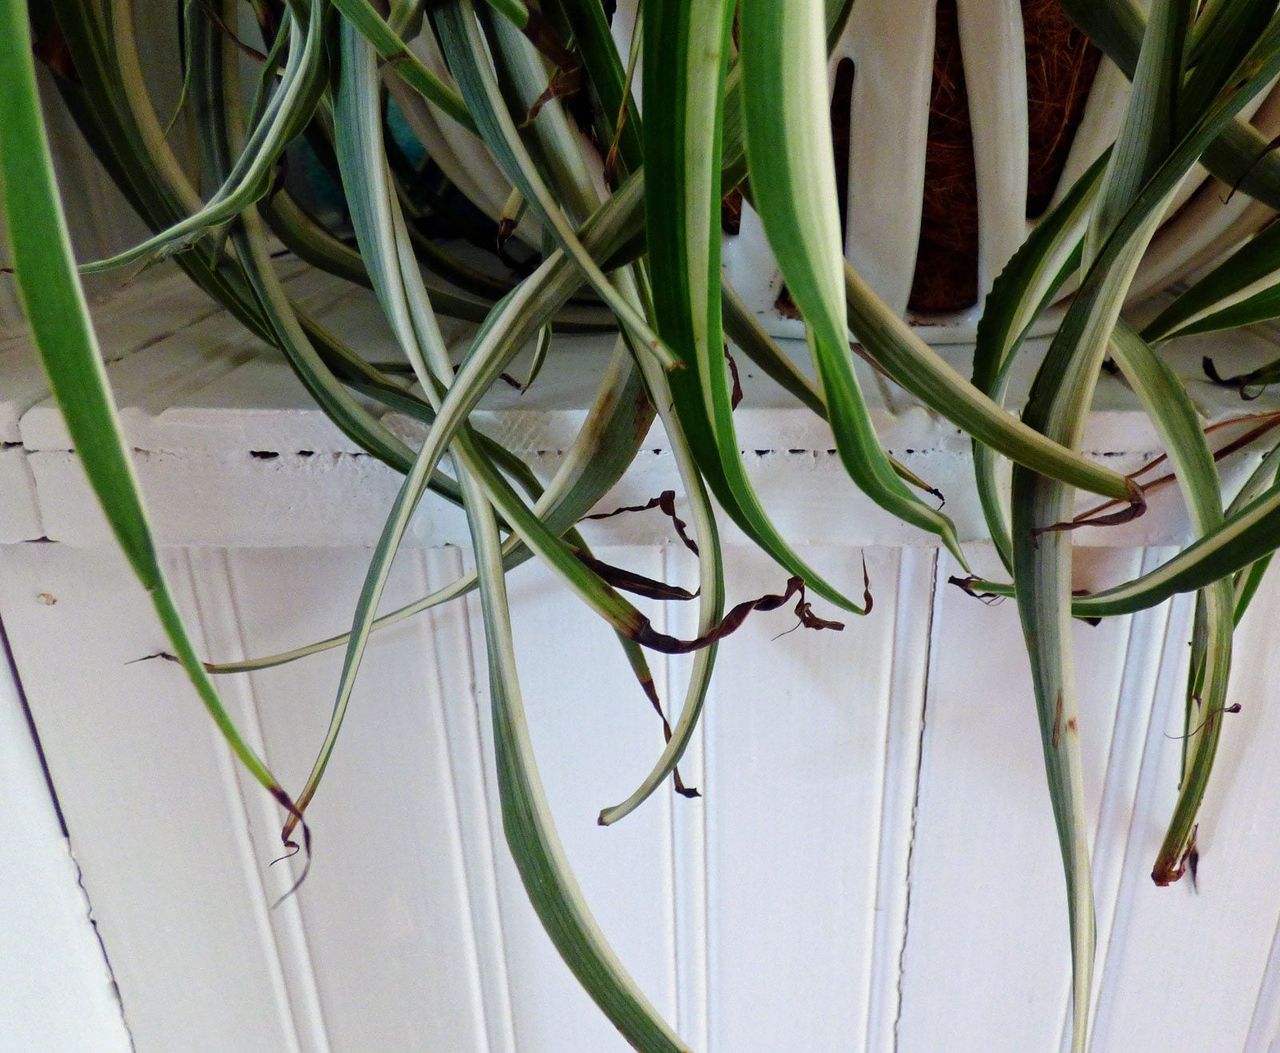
1264	1024
666	676
711	720
205	607
491	844
872	865
430	642
291	909
1115	812
1167	684
687	828
986	951
795	749
704	888
888	1005
1215	938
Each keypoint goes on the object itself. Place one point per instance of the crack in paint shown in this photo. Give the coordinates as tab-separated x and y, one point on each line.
915	804
106	958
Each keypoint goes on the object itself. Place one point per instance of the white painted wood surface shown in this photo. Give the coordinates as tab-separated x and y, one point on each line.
58	993
872	865
209	411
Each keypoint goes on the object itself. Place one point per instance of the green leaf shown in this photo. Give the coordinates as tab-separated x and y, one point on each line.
1238	153
1028	283
1223	32
615	428
683	144
1246	535
711	598
1149	128
402	61
1240	290
786	114
1248	580
1249	534
288	112
380	230
750	337
55	308
468	57
609	78
1168	405
218	98
1058	406
528	824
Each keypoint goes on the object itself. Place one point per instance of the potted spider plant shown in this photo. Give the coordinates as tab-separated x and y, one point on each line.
582	204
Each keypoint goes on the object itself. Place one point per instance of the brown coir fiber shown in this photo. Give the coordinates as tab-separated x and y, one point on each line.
946	275
1061	64
1060	68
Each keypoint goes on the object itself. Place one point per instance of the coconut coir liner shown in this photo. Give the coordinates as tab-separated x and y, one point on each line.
1061	64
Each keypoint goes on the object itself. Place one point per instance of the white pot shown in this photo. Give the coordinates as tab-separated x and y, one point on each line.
891	43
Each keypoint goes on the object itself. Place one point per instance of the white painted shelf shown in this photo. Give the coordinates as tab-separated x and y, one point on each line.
232	452
872	865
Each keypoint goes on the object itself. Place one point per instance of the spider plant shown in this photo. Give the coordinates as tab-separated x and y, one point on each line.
616	209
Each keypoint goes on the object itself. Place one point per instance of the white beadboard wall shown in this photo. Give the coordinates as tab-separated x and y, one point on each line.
872	865
58	992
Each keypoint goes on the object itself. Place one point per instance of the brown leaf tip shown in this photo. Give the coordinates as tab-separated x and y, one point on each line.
966	585
163	656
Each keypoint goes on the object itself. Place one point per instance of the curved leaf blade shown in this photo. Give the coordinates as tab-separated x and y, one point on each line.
789	156
54	303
